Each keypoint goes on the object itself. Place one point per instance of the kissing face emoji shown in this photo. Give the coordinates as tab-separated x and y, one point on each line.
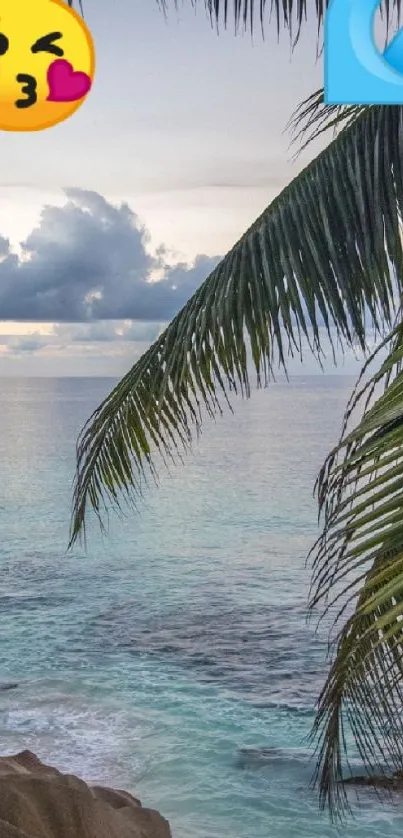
46	63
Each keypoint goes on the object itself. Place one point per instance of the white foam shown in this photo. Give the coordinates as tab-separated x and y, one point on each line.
73	733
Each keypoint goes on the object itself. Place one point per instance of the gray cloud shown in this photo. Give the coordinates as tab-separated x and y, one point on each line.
4	246
28	344
106	331
82	334
89	260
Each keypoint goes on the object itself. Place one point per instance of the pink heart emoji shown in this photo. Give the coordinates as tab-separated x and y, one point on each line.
66	85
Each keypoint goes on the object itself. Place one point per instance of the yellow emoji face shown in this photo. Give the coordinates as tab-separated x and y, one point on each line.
46	63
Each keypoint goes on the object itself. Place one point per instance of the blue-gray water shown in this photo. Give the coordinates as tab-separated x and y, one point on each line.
156	661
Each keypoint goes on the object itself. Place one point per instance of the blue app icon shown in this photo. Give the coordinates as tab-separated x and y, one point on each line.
356	71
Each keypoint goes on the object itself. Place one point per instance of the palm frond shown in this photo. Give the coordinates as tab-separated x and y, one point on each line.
288	14
320	255
78	3
358	567
312	118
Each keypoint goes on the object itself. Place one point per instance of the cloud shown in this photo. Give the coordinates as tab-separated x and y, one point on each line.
106	331
82	335
90	260
4	247
29	344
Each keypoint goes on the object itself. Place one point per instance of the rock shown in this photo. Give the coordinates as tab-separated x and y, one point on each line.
116	797
393	782
250	758
38	801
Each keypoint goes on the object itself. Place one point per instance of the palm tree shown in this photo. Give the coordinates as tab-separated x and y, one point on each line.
327	250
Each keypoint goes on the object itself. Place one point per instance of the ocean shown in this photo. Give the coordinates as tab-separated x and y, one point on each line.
173	658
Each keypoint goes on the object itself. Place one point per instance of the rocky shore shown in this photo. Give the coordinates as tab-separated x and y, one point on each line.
38	801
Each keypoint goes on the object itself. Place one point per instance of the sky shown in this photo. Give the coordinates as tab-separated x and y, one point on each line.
110	221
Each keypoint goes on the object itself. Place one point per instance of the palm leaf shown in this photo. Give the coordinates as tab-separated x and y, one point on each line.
312	118
320	254
288	14
358	562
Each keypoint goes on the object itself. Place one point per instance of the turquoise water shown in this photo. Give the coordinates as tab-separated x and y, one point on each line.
173	658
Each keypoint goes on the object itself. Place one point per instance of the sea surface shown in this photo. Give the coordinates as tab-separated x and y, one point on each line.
173	658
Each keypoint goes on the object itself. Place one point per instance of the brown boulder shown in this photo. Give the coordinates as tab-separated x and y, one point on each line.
38	801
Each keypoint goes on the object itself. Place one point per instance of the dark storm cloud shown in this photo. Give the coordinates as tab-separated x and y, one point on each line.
88	260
